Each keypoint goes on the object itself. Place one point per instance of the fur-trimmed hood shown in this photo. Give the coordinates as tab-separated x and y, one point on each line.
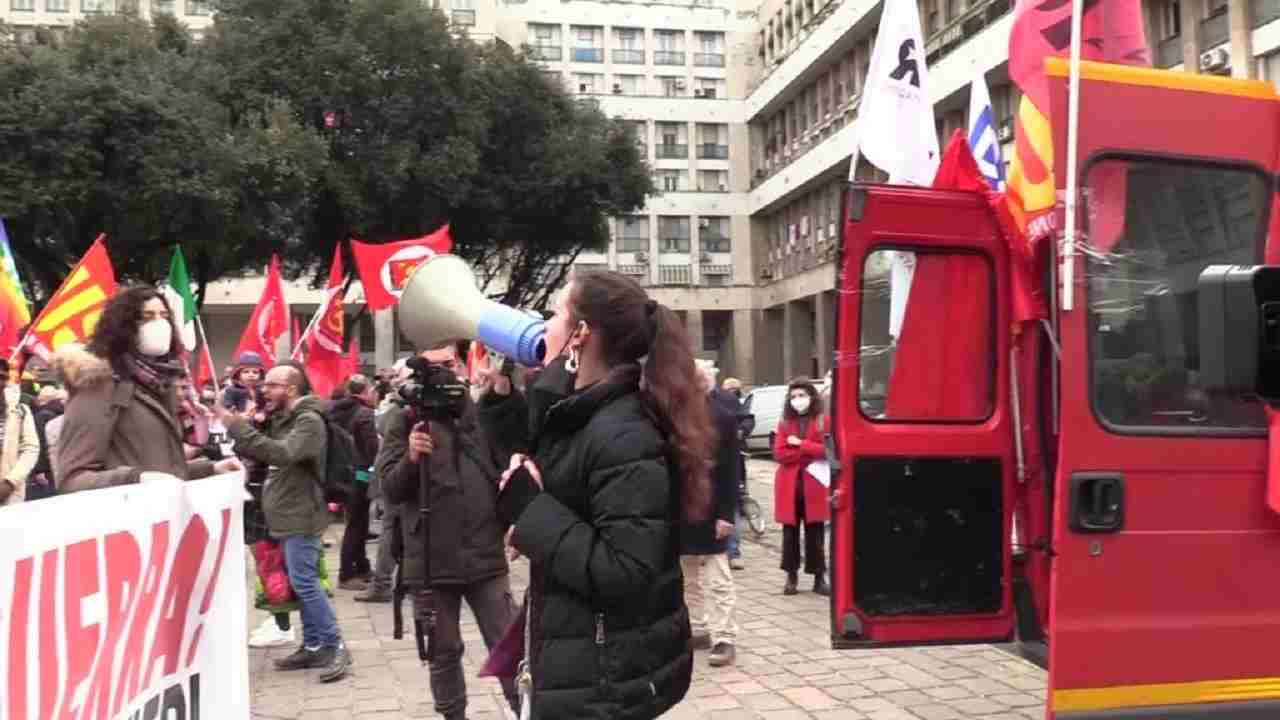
80	368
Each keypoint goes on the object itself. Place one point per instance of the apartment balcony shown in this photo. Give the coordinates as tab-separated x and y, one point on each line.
675	275
624	56
1264	11
714	243
667	151
678	244
1214	31
588	55
708	59
712	151
551	53
1169	52
639	273
668	57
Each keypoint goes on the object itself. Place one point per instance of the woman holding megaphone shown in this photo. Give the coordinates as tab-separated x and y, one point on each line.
620	457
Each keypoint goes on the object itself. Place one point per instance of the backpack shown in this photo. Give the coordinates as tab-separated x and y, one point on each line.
339	462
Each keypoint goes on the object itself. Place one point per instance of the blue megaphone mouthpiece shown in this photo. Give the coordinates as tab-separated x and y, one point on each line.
516	334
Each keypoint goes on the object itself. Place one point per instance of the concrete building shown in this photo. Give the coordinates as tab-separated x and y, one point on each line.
745	111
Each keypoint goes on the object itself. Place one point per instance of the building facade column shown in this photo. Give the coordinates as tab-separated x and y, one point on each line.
824	330
384	337
742	347
1191	12
771	347
693	326
1240	22
797	339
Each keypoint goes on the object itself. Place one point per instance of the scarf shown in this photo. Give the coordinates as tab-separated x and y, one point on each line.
156	375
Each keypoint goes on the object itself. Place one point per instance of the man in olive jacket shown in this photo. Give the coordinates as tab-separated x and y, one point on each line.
293	447
445	483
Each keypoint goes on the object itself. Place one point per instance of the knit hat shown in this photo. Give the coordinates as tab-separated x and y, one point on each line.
249	359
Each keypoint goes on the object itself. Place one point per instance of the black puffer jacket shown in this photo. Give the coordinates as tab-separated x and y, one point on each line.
462	530
610	630
357	418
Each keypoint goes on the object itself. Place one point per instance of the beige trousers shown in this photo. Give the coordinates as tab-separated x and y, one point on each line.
711	596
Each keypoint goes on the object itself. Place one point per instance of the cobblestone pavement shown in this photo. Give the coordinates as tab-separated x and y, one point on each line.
785	670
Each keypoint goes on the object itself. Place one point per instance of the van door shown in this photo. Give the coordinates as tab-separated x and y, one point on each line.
923	494
1165	597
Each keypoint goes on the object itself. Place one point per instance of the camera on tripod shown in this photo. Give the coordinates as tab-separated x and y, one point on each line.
434	391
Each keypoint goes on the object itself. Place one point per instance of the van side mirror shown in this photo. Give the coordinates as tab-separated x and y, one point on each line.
1239	309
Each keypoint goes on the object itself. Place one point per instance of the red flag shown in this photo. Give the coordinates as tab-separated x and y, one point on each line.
326	363
353	357
384	269
269	319
295	333
205	374
477	358
72	313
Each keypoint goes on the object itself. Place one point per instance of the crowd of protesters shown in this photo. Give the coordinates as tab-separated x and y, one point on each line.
616	470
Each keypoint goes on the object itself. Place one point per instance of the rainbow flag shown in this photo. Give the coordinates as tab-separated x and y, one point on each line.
15	312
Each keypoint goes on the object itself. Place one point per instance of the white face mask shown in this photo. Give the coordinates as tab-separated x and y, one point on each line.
155	337
800	405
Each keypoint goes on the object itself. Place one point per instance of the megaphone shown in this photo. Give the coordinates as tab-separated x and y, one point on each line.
441	303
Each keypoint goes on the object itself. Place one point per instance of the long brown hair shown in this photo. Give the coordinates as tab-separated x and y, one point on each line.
632	326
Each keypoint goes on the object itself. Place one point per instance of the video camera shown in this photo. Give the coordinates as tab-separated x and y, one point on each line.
1239	317
435	392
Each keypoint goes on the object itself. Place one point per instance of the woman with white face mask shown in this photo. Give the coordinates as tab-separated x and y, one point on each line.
799	500
125	418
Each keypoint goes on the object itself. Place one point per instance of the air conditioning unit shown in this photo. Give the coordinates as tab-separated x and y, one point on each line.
697	92
642	257
766	274
759	175
1217	60
1005	133
705	258
709	93
725	188
680	85
704	223
582	88
617	89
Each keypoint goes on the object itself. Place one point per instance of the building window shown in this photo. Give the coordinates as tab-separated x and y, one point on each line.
199	7
586	46
713	141
713	234
629	46
158	7
628	84
709	88
670	50
464	12
544	42
22	5
588	83
673	234
713	181
673	141
90	7
670	86
633	233
672	180
710	49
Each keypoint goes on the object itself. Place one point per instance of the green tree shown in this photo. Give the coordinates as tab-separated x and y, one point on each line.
119	130
426	126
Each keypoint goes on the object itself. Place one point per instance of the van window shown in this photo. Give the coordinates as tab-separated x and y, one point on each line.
928	337
1153	226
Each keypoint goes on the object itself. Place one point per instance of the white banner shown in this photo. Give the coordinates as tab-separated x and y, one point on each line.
127	603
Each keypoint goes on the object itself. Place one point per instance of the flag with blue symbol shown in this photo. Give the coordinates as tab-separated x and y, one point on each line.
984	137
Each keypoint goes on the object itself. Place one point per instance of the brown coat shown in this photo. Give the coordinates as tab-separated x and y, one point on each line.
95	452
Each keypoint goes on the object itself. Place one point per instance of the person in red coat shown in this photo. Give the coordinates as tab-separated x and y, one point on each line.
798	498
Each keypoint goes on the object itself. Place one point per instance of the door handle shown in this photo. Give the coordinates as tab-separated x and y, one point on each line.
1097	502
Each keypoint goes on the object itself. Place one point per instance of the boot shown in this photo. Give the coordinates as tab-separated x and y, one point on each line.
790	587
820	586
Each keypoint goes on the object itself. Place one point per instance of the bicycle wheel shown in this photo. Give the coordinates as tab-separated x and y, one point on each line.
755	517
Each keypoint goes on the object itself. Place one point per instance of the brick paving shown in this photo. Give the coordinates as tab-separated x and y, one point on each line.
785	670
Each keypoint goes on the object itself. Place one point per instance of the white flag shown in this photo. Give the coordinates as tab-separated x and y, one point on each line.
983	138
895	128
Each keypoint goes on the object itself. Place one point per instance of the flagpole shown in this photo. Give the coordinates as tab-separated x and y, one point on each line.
315	317
1073	141
32	327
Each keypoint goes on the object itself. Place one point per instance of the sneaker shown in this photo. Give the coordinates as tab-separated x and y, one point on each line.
354	583
373	595
336	663
820	585
270	635
737	564
301	659
722	654
700	641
